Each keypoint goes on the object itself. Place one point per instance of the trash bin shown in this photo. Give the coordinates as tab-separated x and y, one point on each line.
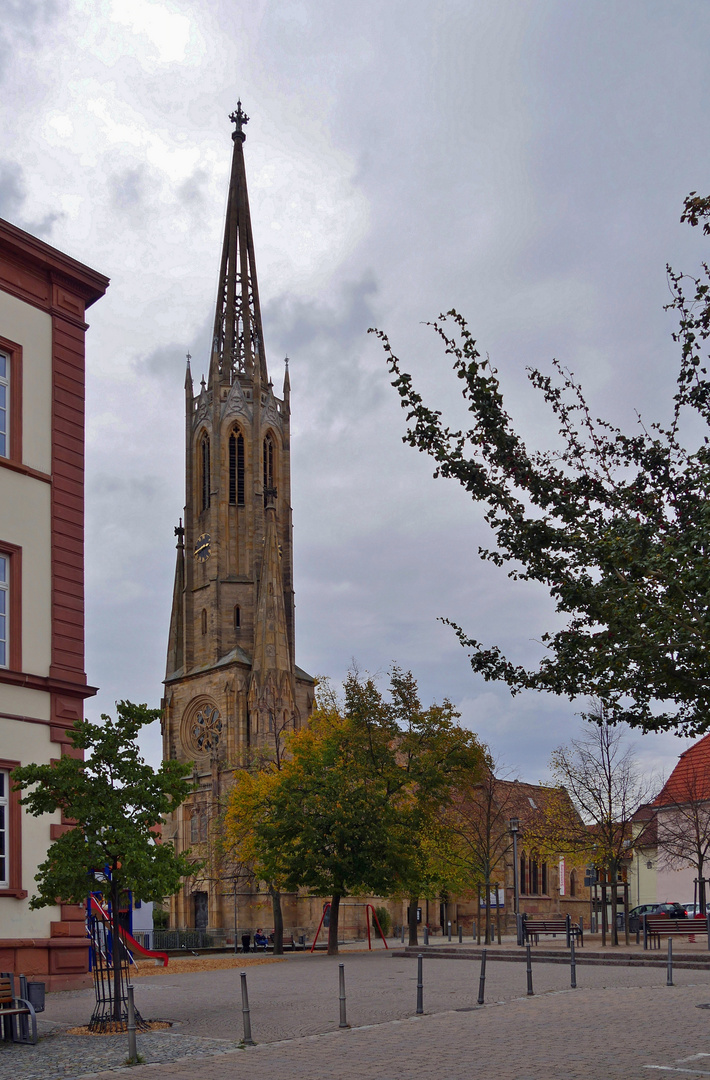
246	939
35	995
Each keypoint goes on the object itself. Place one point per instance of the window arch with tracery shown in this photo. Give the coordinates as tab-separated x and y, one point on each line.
201	728
269	455
236	468
205	471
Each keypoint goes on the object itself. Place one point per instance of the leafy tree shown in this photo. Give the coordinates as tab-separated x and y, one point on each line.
435	758
476	823
115	801
601	786
613	525
350	810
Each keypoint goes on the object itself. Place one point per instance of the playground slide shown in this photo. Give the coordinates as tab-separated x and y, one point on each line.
128	939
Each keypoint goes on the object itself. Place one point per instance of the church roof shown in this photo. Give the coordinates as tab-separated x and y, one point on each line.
690	780
236	656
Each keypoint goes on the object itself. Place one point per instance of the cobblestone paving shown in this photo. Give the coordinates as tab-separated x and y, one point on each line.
621	1023
66	1057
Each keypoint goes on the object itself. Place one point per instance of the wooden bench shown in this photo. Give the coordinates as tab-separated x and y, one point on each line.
12	1008
657	926
533	928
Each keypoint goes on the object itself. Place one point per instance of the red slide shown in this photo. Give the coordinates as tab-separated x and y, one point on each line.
127	938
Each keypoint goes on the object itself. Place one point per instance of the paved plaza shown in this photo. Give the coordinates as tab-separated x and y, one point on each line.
619	1023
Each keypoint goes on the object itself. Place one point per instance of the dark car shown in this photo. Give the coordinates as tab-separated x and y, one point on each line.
671	911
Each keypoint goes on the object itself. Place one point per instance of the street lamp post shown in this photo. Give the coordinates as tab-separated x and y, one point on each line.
514	826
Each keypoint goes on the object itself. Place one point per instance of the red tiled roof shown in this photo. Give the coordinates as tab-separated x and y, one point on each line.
690	780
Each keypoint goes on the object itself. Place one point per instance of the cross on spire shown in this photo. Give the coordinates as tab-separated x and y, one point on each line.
240	118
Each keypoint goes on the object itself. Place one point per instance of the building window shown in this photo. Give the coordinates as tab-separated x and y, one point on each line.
236	469
4	829
4	405
4	608
544	879
10	606
10	834
268	465
237	617
10	401
534	877
522	875
205	455
573	883
198	826
203	620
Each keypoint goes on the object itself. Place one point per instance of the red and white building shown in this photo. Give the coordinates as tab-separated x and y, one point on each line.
43	298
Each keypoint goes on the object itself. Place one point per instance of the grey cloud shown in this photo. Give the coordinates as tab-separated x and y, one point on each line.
12	189
23	20
167	363
191	191
128	190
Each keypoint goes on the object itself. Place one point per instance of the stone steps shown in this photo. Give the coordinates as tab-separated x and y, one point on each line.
617	958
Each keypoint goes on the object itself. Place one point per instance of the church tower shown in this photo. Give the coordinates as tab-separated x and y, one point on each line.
232	688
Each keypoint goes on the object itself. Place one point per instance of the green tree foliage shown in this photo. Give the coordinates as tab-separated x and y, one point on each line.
615	526
347	812
115	800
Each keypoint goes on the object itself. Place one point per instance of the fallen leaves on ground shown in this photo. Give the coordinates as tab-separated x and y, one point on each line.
183	964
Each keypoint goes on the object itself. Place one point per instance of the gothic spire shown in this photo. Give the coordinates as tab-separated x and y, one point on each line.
238	340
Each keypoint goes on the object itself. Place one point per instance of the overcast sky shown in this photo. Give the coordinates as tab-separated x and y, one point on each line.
525	162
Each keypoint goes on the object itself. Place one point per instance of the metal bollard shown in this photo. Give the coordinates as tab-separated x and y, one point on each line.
449	931
482	979
420	984
132	1050
426	935
530	985
669	977
460	935
573	965
341	979
248	1041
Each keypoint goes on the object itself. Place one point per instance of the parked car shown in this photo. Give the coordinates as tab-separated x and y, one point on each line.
693	911
670	910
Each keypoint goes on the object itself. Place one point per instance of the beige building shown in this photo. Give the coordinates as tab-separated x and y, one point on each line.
43	298
232	688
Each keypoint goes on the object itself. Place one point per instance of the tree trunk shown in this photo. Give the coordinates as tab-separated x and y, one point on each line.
413	908
116	950
333	927
278	921
701	887
488	911
614	928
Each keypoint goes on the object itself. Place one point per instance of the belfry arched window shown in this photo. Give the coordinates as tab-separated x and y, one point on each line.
237	617
203	621
236	468
205	465
269	457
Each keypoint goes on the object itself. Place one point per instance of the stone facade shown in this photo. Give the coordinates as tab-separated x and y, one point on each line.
232	688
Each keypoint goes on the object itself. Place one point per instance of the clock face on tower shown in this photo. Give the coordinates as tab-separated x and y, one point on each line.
202	547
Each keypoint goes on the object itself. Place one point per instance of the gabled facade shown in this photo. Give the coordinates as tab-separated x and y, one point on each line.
232	687
44	295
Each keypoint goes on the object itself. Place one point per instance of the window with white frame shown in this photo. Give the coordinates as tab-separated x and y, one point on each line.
4	405
4	608
4	829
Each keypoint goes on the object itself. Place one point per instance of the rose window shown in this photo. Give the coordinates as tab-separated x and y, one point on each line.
205	728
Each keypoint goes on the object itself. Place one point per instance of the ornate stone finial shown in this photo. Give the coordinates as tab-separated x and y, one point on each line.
180	533
202	384
240	118
189	358
286	362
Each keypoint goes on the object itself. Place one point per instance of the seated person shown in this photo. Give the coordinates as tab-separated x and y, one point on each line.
260	940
